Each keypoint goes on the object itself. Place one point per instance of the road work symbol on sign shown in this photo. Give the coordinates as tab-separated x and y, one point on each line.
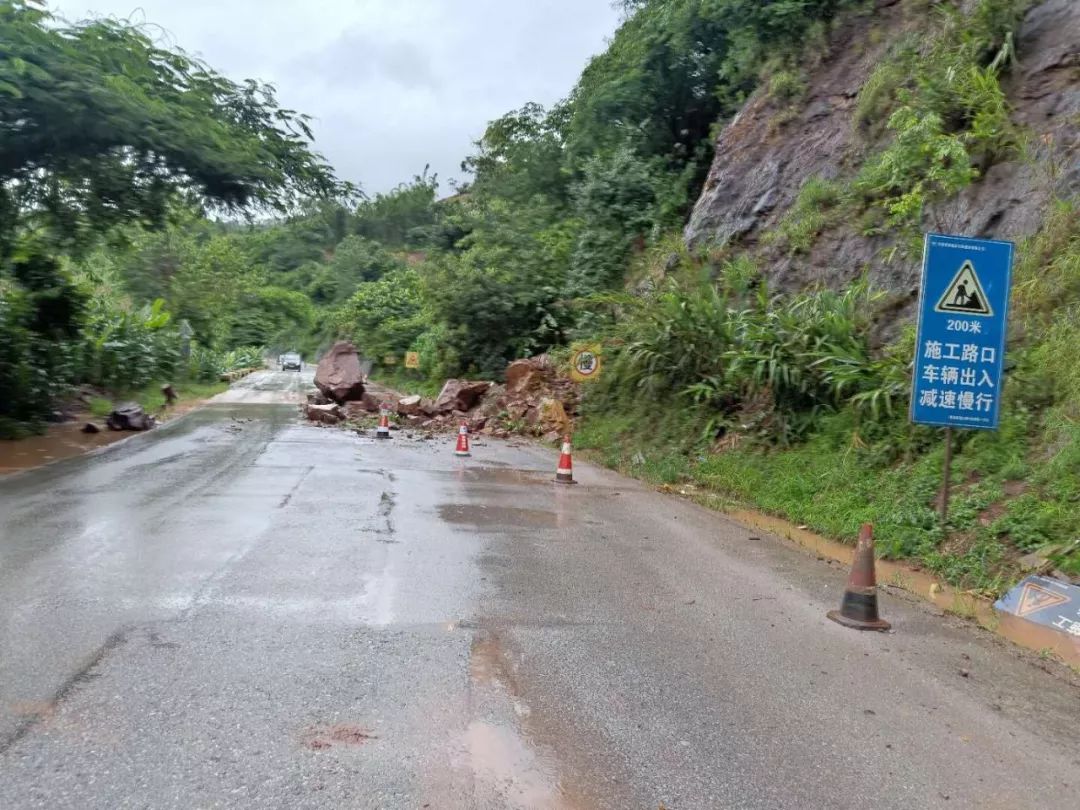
1035	597
965	295
412	360
585	364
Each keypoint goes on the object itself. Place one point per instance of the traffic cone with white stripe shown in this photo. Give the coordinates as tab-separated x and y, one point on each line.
383	430
462	441
564	474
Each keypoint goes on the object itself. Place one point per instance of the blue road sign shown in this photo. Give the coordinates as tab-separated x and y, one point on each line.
963	312
1045	601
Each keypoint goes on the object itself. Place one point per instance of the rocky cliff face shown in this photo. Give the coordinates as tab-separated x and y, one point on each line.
766	153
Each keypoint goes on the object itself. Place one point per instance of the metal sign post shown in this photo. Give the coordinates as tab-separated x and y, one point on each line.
960	350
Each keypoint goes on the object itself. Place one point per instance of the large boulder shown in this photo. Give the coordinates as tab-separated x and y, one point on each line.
529	374
339	376
460	395
129	416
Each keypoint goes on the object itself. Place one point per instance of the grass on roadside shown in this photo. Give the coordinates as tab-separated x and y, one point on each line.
407	382
1002	506
152	400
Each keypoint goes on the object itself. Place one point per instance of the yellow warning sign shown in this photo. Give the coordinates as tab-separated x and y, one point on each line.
965	294
389	360
1036	597
412	359
585	364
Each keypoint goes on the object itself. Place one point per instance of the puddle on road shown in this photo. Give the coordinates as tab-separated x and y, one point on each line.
496	475
61	441
505	767
495	517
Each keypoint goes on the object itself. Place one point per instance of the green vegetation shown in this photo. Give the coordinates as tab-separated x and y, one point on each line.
121	232
102	131
819	205
780	404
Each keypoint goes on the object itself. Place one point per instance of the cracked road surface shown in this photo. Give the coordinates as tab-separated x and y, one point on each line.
238	610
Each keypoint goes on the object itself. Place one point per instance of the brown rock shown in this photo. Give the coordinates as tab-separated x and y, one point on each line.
90	427
323	414
553	417
355	410
530	373
409	406
318	398
338	375
493	402
460	395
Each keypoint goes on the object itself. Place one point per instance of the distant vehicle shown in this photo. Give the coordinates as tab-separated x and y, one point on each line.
291	360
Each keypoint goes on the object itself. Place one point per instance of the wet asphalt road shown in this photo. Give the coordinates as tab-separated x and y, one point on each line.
239	610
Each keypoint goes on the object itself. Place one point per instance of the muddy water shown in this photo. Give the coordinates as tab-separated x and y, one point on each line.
61	441
505	767
962	603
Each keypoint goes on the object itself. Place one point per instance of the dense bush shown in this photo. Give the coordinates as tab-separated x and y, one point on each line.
740	354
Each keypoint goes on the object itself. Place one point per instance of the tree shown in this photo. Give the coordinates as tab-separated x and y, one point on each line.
385	316
211	280
402	217
101	126
271	316
521	155
615	202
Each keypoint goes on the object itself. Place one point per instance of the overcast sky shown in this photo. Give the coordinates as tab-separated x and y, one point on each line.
391	84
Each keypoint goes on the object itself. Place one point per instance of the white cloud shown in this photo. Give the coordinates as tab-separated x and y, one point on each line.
392	84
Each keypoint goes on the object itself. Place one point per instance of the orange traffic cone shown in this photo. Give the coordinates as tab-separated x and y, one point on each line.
859	606
383	430
564	474
462	441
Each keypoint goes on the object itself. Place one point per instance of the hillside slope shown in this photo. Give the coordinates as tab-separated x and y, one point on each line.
769	363
767	153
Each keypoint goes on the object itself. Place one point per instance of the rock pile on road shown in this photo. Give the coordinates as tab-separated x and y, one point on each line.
536	399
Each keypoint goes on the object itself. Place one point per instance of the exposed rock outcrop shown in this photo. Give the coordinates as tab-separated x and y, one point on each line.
767	152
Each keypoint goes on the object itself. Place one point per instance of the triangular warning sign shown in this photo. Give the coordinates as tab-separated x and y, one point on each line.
1036	597
965	295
